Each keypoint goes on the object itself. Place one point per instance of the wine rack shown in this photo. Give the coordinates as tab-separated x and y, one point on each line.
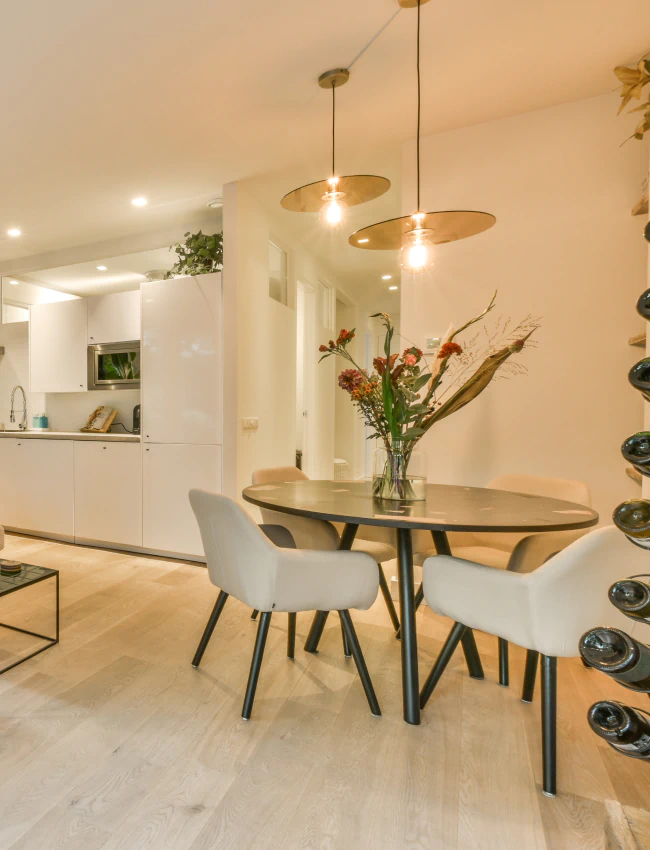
613	651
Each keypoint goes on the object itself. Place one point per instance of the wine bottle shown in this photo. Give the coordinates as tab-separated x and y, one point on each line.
620	656
633	519
625	728
643	305
632	597
636	450
639	377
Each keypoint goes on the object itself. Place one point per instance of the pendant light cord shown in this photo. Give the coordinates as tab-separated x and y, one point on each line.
419	107
334	124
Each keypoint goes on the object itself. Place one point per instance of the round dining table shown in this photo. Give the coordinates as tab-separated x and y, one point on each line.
446	508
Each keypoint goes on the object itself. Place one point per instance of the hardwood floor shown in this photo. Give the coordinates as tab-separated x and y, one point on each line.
112	740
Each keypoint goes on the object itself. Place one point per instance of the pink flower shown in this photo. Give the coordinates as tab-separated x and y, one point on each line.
410	360
349	379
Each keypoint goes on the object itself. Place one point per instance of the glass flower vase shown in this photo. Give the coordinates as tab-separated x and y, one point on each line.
399	477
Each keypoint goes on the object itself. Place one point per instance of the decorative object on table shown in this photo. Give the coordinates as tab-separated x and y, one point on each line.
633	81
405	396
333	196
415	235
199	254
10	568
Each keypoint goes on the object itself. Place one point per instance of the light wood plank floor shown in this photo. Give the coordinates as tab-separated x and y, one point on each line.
111	740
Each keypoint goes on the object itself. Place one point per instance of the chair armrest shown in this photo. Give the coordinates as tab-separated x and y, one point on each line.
535	549
494	601
279	535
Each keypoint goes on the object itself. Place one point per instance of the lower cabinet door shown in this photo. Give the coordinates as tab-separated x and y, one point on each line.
108	492
169	473
43	484
8	482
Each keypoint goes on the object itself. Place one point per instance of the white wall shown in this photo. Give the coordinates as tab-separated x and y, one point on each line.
262	352
564	248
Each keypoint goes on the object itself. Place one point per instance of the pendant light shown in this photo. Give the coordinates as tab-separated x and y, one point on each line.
333	196
416	235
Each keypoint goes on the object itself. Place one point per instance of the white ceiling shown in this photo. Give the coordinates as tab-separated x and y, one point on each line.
122	274
106	100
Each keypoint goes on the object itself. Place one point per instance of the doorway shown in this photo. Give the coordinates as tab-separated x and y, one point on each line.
305	376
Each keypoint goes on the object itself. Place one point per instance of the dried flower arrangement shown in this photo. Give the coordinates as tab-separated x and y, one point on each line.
405	396
633	81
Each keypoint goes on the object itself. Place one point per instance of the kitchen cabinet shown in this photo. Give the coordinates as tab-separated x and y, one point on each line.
58	346
114	318
108	492
38	478
181	360
169	472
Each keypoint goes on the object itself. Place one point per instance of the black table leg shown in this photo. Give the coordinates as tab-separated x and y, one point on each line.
472	658
320	617
410	681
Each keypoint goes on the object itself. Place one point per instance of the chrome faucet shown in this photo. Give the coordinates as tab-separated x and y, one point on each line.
12	415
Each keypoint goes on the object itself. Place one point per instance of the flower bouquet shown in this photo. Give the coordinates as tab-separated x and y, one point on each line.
404	396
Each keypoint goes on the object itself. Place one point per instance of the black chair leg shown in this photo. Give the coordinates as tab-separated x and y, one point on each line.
212	622
453	639
348	628
549	723
472	658
504	672
291	637
254	614
256	664
388	599
316	630
530	674
346	644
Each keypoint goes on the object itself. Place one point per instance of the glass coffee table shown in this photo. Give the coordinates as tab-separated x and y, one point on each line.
30	575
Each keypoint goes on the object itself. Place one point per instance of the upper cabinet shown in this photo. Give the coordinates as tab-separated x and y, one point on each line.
181	360
114	318
58	344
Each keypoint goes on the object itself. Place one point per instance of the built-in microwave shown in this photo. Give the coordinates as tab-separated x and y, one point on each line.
114	366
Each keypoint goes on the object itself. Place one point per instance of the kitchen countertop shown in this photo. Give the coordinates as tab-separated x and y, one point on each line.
71	435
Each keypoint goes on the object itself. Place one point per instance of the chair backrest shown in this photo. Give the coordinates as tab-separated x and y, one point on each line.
533	485
568	594
539	485
241	560
307	533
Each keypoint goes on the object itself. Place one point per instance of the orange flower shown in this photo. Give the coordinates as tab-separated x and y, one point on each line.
449	348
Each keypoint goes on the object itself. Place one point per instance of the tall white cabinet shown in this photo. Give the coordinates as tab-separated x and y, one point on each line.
181	406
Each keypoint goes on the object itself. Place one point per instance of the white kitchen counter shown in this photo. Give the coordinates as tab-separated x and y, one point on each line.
72	435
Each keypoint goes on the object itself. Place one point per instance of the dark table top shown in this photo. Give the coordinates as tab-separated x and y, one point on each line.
28	575
447	507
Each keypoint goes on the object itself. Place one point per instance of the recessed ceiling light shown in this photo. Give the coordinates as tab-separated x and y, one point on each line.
361	241
386	276
101	268
392	287
13	282
139	202
216	204
13	231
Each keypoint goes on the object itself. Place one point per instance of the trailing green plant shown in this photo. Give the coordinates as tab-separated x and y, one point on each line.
199	254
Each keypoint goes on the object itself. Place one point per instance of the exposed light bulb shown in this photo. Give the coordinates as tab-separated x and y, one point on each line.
334	209
417	253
